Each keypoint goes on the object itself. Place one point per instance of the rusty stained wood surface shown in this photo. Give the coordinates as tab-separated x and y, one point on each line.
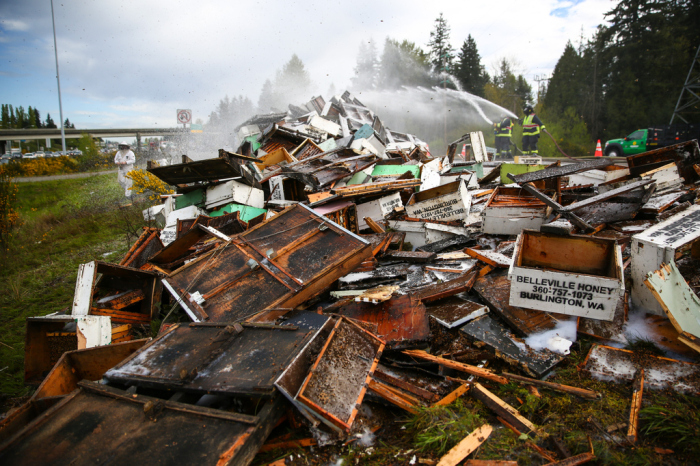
492	334
227	165
411	256
147	245
446	289
563	170
454	311
119	279
401	321
336	384
206	358
685	155
280	263
97	425
325	168
494	289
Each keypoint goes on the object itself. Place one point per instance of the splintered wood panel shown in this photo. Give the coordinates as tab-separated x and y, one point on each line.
214	360
685	155
146	245
211	271
335	387
401	321
454	311
252	293
90	428
506	346
449	288
605	330
620	366
494	289
307	246
279	263
87	364
202	170
569	253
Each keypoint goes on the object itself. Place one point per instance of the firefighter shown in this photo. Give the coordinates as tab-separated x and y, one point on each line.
503	130
532	126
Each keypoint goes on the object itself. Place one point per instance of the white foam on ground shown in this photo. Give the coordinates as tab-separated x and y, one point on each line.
558	339
366	438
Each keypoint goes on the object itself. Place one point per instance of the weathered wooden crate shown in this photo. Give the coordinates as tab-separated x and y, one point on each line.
377	209
98	423
336	384
574	275
658	245
243	362
510	210
233	191
448	202
279	263
596	177
48	337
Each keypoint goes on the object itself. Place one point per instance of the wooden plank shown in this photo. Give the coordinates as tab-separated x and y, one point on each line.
374	226
121	316
460	366
411	256
289	444
582	392
637	391
430	396
490	463
448	288
503	409
122	300
491	258
391	396
574	460
453	395
494	289
464	448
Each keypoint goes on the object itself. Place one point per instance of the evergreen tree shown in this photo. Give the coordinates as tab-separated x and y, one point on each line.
404	64
37	119
441	51
5	117
292	83
366	71
469	70
68	124
49	122
31	118
13	117
266	101
20	117
507	90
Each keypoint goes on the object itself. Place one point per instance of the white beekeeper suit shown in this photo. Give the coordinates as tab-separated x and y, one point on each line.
125	159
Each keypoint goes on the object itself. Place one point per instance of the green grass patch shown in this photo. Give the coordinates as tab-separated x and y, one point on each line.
64	223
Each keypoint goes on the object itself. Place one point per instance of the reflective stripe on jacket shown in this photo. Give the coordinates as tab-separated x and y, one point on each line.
505	128
530	128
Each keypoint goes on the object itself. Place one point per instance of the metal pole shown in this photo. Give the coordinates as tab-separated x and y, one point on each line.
58	79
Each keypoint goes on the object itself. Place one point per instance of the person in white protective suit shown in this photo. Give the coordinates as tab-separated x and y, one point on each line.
125	160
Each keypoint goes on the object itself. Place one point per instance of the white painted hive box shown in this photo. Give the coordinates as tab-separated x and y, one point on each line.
574	275
658	245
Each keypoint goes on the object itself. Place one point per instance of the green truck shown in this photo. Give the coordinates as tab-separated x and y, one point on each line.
644	140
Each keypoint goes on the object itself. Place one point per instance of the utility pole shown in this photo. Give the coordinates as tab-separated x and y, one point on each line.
58	79
692	86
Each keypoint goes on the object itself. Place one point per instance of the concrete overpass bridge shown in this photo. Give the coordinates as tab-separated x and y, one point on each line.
55	133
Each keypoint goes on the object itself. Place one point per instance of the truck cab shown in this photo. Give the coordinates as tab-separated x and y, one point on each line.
634	143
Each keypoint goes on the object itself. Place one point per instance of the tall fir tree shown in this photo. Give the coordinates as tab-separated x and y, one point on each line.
441	51
366	70
469	71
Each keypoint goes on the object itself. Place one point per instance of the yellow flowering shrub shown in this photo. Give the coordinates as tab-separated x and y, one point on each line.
44	166
146	183
9	216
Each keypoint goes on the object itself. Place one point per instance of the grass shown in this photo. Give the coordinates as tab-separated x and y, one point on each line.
64	223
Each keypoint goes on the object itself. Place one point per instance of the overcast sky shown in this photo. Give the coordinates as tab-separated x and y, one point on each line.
134	63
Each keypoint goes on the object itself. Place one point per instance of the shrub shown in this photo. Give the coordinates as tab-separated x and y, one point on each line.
146	183
9	216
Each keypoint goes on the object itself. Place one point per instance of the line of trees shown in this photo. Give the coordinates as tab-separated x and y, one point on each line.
19	118
628	75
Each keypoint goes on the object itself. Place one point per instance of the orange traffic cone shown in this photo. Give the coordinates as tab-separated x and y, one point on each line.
598	150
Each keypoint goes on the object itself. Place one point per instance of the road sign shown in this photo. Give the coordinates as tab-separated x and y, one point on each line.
184	116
